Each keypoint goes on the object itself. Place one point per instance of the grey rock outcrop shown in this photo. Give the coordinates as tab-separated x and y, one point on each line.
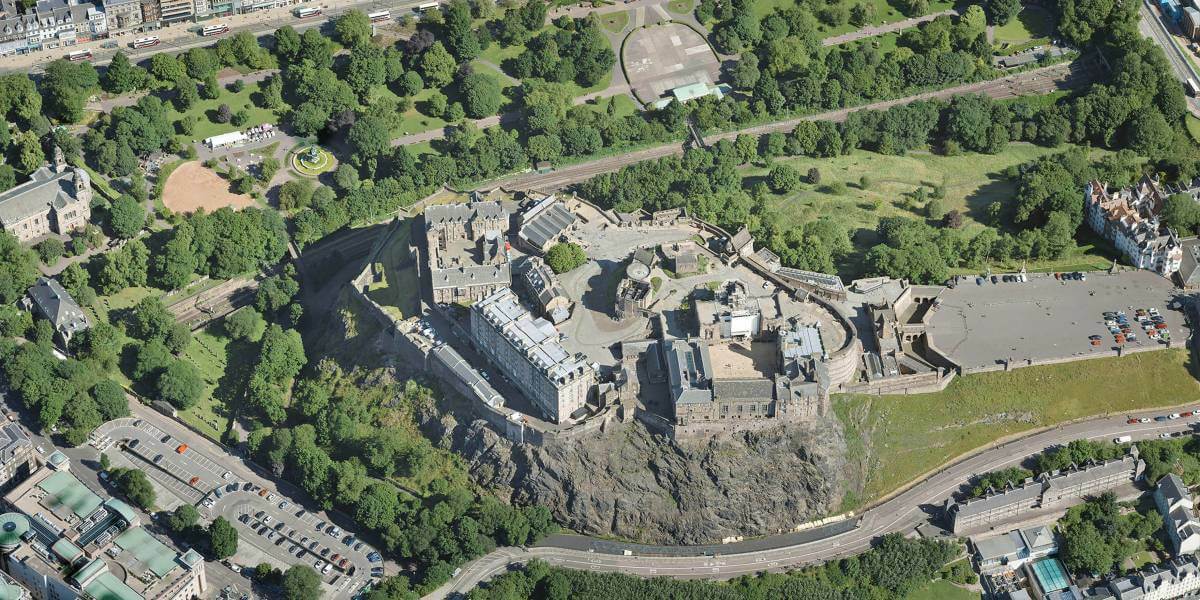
630	483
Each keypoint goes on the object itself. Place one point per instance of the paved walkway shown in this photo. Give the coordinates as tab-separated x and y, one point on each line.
874	30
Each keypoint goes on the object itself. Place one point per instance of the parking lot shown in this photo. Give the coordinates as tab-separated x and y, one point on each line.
291	535
981	324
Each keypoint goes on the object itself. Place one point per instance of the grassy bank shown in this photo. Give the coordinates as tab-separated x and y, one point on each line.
897	438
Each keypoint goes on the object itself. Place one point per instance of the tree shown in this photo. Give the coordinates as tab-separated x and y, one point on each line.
301	582
126	217
135	485
245	324
1181	212
18	268
50	250
222	538
565	256
223	114
1000	12
186	95
1148	134
460	35
110	400
295	194
184	517
165	68
181	384
267	169
437	65
27	152
481	95
287	42
105	463
370	137
353	29
123	77
784	178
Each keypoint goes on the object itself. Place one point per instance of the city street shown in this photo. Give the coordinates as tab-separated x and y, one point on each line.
183	36
906	509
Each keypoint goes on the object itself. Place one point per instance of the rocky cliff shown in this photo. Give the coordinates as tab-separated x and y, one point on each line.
632	484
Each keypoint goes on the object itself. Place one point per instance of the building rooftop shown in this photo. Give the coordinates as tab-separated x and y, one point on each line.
689	370
14	443
536	338
45	189
58	305
545	222
447	213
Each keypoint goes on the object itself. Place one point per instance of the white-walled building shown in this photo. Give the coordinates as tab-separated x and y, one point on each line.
1130	220
1179	516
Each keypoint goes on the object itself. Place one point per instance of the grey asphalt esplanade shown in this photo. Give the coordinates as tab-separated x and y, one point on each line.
663	57
1046	318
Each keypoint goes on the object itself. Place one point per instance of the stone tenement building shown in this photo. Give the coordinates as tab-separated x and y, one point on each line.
56	200
545	289
1174	503
466	250
1130	220
527	351
1046	491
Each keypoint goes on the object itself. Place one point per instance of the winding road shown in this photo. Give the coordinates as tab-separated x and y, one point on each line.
902	512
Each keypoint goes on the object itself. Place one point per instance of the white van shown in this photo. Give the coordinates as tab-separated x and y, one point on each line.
1123	439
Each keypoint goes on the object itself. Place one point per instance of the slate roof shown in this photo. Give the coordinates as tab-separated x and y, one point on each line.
470	276
545	226
57	305
743	389
45	189
444	213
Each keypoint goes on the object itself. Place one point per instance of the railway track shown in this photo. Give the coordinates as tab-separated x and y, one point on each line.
1043	80
212	304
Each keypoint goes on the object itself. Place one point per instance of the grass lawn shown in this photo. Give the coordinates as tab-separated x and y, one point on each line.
207	353
205	110
413	121
497	54
897	438
680	7
625	105
1193	127
970	181
1033	22
399	290
615	22
941	590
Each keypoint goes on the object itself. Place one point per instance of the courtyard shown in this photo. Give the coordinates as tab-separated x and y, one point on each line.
980	325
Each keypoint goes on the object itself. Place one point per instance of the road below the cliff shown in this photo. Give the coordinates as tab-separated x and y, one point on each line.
920	503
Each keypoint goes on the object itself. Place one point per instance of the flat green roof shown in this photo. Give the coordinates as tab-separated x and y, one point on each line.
108	587
11	591
64	490
66	549
154	554
12	527
90	570
123	509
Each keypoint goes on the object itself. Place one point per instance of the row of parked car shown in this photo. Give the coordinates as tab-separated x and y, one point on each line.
1119	324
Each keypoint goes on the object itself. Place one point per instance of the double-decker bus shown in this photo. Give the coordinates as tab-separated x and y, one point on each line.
380	16
426	6
216	29
307	11
145	42
79	55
